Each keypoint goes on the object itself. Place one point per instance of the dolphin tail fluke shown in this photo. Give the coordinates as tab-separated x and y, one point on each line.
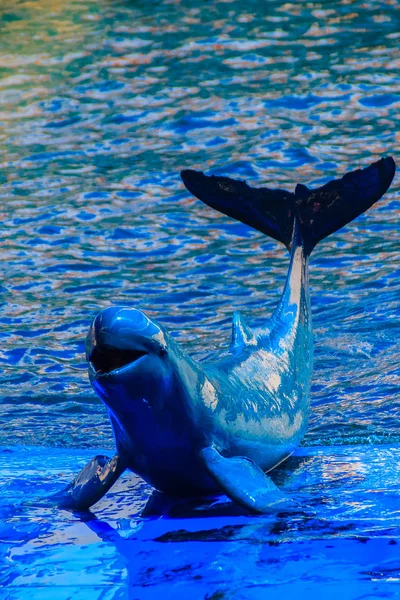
320	212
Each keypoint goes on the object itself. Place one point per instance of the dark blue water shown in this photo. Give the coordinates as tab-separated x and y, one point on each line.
102	103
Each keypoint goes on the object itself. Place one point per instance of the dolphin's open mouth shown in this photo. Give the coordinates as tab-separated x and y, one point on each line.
108	359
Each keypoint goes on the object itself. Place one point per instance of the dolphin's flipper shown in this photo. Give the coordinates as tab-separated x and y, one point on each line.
245	483
89	486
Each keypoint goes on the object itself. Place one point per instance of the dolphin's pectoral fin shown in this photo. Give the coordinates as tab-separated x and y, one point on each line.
89	486
245	483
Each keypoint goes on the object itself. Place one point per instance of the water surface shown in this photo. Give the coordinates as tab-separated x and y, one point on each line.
102	103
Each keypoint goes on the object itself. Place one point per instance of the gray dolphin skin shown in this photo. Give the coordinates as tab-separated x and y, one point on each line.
197	429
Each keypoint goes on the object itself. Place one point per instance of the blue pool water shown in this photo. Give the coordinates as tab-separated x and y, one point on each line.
102	103
347	545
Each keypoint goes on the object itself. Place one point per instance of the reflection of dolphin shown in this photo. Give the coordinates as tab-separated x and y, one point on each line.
191	428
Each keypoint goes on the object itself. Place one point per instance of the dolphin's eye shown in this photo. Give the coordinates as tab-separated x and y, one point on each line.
109	359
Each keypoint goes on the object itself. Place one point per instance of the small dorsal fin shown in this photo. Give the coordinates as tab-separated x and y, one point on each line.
302	191
242	335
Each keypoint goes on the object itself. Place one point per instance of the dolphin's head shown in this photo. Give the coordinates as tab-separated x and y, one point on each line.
129	365
150	387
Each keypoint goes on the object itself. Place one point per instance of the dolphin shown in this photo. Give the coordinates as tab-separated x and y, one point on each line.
191	428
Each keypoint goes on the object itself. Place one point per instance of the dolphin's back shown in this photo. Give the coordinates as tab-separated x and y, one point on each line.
259	389
260	395
256	413
257	397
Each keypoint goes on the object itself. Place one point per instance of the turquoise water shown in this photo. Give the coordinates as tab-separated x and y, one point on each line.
102	103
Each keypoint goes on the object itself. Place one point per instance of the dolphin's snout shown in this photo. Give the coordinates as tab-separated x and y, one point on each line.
120	336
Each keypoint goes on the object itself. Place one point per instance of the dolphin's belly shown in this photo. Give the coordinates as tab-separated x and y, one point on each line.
175	471
166	459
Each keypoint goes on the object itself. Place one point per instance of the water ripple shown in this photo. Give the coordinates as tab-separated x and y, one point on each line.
102	104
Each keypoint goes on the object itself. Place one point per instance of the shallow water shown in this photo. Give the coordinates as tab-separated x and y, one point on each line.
102	103
346	543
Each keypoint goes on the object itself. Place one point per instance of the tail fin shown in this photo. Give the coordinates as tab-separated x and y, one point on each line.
320	212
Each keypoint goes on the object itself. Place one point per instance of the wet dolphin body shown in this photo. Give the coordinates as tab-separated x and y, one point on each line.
190	428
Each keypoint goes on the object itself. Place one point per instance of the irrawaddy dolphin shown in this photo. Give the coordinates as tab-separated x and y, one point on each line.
191	428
